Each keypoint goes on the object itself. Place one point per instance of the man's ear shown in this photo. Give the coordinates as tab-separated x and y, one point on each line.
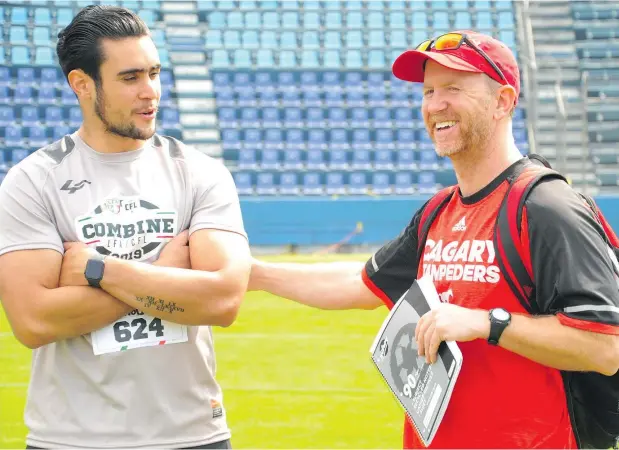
82	84
506	98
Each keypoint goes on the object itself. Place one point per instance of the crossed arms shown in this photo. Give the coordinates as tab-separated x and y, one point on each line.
47	299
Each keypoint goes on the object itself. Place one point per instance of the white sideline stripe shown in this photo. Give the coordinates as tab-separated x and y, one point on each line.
574	309
249	389
283	336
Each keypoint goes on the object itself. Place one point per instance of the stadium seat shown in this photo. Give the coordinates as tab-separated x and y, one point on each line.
293	117
381	184
428	160
292	159
289	184
247	159
19	16
335	183
427	183
265	184
383	159
270	159
403	183
37	137
13	136
315	159
361	139
361	159
295	139
29	116
405	159
332	40
357	183
7	116
67	96
312	184
22	95
338	160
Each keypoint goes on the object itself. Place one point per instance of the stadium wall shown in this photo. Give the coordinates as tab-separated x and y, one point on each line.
307	221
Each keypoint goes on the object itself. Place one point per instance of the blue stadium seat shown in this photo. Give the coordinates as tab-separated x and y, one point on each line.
332	40
267	97
405	159
315	117
273	138
397	20
354	19
231	39
253	139
333	98
42	16
353	60
53	116
289	184
253	20
22	95
440	22
265	59
295	139
463	20
353	5
64	17
424	142
383	159
41	35
18	35
427	183
357	183
315	159
312	184
287	59
249	118
361	139
13	136
338	160
26	76
384	139
59	131
361	159
311	21
405	139
381	117
234	20
227	117
376	39
354	39
359	117
5	76
29	116
381	184
376	59
339	139
270	159
376	98
170	118
225	97
247	5
20	56
310	40
4	95
247	159
37	137
419	20
484	21
399	39
336	117
246	97
265	184
428	160
316	139
49	77
333	20
335	183
250	39
355	99
331	59
44	56
270	117
292	159
290	20
7	116
375	19
293	117
505	19
216	20
290	98
403	183
403	117
19	16
230	139
271	20
309	59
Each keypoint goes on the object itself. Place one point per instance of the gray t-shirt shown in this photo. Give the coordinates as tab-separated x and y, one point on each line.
126	205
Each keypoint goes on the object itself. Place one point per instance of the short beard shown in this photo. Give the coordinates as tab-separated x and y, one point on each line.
128	130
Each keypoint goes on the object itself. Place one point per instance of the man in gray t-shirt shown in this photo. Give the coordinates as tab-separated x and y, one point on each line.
124	353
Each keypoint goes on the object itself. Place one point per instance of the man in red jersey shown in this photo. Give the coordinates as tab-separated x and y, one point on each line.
508	395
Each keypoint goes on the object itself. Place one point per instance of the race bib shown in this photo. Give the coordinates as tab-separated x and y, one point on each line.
136	330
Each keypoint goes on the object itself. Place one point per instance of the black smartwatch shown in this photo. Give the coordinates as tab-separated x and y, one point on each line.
94	270
499	319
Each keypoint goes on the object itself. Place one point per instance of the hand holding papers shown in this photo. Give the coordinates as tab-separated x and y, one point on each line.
422	389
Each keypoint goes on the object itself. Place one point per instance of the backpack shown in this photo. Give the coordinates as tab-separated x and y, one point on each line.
592	398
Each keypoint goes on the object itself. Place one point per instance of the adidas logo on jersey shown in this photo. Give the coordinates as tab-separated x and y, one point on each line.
460	226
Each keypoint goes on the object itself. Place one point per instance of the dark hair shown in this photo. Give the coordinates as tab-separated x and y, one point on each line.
79	44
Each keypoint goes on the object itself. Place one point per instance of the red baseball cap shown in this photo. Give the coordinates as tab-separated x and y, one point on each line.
410	65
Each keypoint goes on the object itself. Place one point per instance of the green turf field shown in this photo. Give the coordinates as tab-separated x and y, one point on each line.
293	377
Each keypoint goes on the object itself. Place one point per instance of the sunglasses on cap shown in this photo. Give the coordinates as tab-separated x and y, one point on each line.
453	41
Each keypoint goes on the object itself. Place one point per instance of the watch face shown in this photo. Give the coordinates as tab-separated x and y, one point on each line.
500	314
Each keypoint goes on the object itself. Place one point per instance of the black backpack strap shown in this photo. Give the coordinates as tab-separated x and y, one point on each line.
514	260
431	211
